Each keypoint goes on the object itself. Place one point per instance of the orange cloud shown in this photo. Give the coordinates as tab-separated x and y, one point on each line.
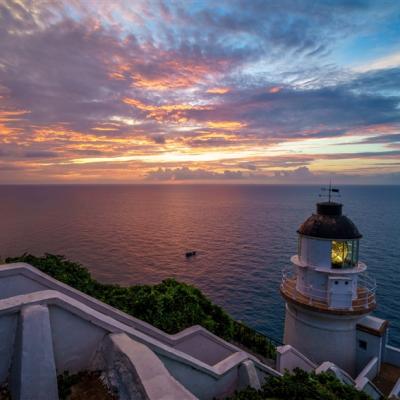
228	125
165	111
219	90
167	74
275	89
162	84
104	128
5	118
11	116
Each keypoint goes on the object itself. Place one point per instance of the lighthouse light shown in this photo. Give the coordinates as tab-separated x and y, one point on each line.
344	254
339	253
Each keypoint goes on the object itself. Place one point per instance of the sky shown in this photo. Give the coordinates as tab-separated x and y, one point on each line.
128	91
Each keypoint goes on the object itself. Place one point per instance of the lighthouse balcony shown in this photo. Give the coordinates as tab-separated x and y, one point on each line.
336	295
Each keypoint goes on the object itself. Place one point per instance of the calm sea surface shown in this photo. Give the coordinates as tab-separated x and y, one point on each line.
244	236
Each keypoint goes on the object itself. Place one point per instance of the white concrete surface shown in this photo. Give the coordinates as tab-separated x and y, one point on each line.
288	358
75	339
134	369
248	376
392	355
135	356
371	370
342	375
8	329
22	278
370	342
322	336
34	374
204	364
368	387
395	392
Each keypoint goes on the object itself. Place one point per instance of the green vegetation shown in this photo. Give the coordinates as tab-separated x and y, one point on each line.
301	385
170	306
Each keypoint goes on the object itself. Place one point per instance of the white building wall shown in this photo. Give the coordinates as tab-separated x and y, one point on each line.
373	349
322	337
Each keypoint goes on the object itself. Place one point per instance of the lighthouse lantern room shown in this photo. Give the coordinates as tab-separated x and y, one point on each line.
327	290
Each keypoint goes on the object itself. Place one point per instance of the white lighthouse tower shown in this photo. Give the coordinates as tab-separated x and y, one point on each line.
327	291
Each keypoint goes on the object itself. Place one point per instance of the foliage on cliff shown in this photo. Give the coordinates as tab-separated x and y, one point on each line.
170	306
301	385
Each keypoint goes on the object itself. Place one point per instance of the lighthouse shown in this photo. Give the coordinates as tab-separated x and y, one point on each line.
326	289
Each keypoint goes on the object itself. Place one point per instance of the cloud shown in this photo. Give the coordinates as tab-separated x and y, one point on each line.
159	139
40	154
173	84
301	175
389	61
187	174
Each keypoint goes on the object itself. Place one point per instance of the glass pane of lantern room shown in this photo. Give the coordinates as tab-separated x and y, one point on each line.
339	253
348	259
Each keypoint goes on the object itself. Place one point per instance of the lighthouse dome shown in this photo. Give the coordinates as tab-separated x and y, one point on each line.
329	223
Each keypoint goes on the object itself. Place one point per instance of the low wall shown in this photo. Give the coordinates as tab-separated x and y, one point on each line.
365	385
78	329
136	371
288	358
392	355
21	278
371	370
396	390
8	329
342	375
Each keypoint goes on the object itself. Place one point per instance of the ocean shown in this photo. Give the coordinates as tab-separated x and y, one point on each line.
244	236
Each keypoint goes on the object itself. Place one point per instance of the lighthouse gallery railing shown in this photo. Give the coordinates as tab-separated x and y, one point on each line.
309	295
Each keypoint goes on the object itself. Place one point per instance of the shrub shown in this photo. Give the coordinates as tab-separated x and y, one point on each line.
301	385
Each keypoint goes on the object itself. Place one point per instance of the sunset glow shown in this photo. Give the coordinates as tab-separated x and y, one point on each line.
243	92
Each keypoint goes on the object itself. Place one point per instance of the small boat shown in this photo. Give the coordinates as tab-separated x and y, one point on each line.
189	254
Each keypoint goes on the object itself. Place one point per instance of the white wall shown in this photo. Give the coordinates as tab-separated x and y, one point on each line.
21	278
204	349
315	252
374	345
16	284
289	358
392	355
8	327
77	330
321	337
75	340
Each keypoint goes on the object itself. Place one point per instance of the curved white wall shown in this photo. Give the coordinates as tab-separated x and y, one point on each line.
322	337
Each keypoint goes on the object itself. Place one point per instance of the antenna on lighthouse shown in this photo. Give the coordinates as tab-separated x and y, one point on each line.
329	192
